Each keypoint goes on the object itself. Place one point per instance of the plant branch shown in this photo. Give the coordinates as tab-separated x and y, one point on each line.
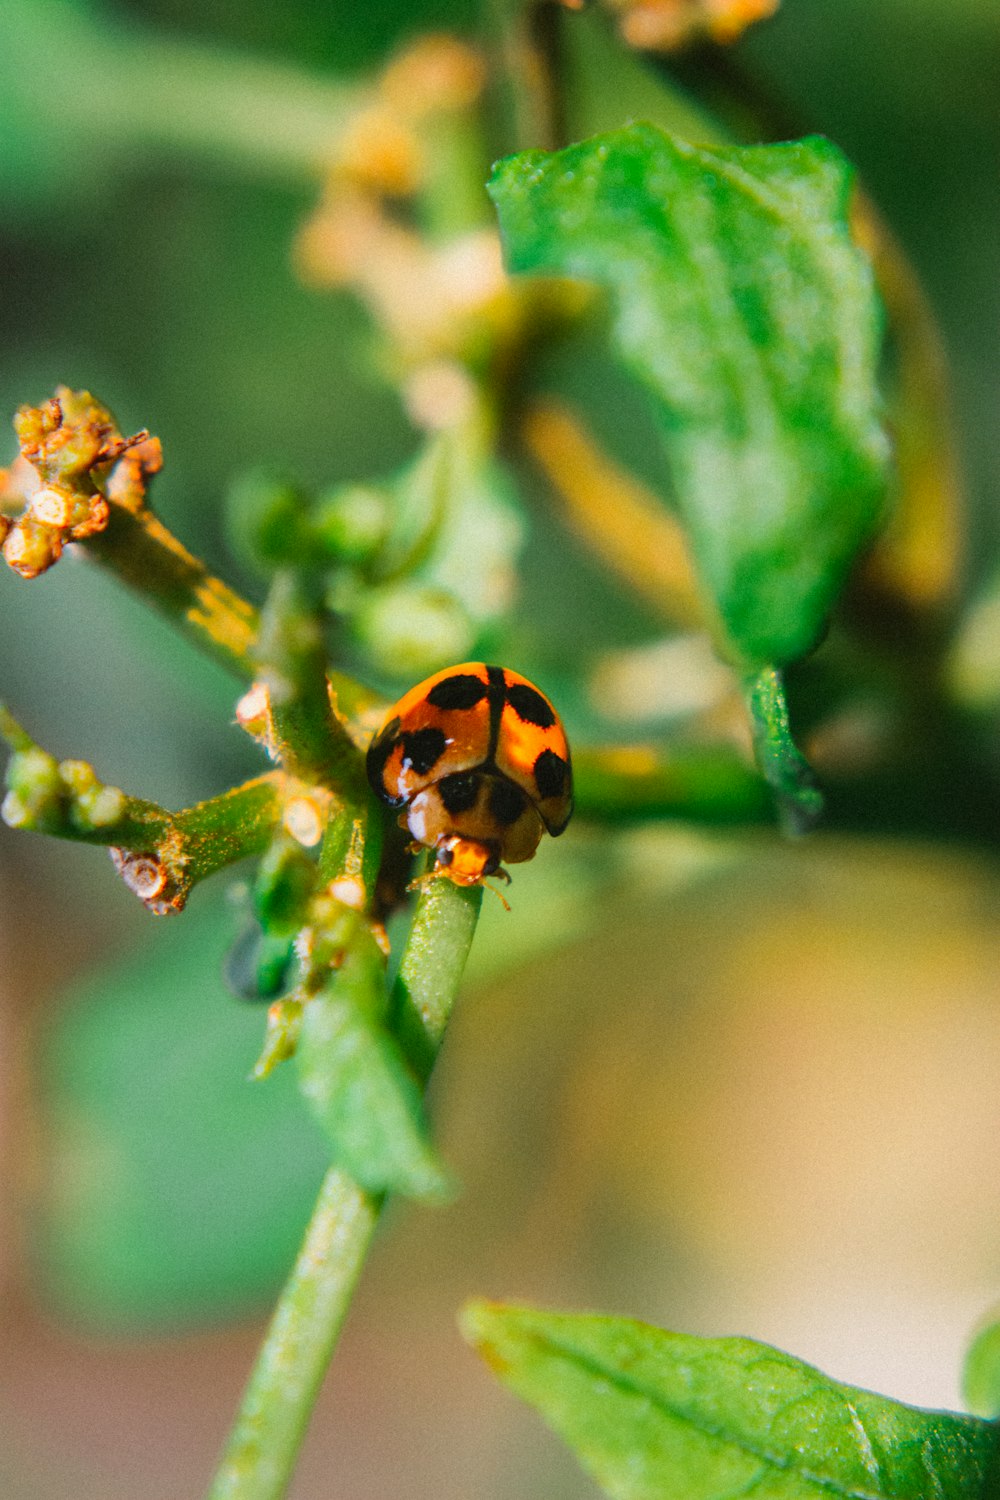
71	75
705	785
160	855
260	1456
526	40
422	998
290	659
784	768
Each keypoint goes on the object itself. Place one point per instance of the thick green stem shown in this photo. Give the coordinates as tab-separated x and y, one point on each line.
259	1458
290	655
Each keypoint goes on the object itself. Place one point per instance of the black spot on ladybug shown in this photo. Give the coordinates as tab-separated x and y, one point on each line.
530	706
507	802
422	749
445	856
378	754
550	771
462	690
459	792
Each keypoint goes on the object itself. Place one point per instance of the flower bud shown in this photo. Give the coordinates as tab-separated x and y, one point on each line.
351	522
266	521
31	547
409	630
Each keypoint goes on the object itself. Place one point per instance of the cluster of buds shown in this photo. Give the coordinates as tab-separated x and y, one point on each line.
56	797
73	460
667	25
431	294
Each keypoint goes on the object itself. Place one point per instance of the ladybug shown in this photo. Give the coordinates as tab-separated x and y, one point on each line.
478	762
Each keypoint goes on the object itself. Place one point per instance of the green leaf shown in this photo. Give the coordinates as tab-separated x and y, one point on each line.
666	1416
175	1189
356	1080
741	301
981	1377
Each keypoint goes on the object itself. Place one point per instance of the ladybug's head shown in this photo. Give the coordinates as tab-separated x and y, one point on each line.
466	861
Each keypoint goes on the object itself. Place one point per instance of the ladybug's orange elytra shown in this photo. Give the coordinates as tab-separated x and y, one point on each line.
477	761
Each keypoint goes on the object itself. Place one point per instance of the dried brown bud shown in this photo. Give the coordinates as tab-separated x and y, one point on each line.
149	878
666	25
128	481
31	547
436	73
67	446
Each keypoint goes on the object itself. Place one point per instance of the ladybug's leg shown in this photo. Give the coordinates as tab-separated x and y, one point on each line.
498	894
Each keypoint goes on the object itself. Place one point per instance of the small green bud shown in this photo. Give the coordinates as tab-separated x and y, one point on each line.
100	807
78	775
408	630
36	788
351	523
285	879
266	521
281	1036
258	967
14	811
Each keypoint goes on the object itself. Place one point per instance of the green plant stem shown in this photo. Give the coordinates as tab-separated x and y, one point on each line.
290	657
784	768
259	1458
67	801
705	785
352	850
260	1455
108	86
525	36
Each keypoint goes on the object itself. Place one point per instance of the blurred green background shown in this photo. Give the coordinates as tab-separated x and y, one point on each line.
754	1091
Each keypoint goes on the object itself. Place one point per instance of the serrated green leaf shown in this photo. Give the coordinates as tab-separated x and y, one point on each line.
742	302
666	1416
356	1080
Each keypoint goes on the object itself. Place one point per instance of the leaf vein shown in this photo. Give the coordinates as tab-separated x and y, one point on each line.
632	1388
